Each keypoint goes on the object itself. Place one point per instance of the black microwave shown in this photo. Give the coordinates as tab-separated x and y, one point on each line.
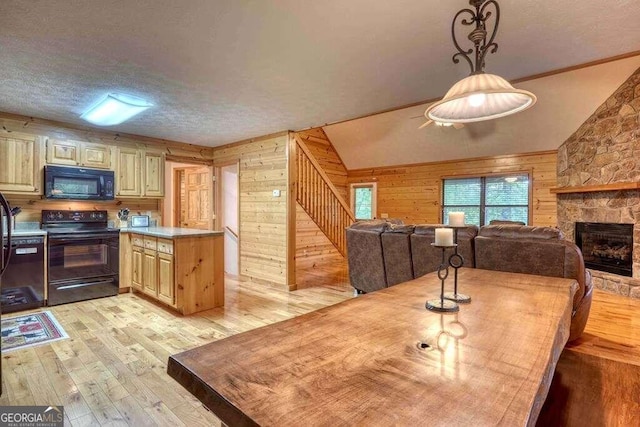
74	183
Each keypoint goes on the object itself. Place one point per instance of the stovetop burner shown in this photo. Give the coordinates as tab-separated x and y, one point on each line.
67	222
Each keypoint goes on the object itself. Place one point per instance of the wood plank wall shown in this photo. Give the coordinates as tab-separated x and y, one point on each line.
32	207
413	192
314	251
263	217
327	156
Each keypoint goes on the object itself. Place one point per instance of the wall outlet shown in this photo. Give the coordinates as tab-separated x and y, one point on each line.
276	193
384	215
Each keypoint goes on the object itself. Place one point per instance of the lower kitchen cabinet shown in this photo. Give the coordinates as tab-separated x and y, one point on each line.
186	273
165	278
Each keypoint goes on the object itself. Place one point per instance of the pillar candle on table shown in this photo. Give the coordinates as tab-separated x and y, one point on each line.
456	219
444	237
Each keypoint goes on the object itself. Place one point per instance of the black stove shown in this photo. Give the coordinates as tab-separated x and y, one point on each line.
83	255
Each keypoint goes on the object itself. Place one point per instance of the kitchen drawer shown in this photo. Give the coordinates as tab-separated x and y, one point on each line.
137	240
165	246
150	243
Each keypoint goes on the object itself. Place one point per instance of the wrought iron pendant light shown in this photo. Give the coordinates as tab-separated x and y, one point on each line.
480	96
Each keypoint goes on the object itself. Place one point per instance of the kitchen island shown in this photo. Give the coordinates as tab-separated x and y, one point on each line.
182	268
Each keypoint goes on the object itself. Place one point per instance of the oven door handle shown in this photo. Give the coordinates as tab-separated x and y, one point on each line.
82	285
76	237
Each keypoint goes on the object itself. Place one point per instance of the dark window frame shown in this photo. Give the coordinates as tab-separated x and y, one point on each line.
483	190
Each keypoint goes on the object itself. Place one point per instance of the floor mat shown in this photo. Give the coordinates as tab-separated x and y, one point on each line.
29	330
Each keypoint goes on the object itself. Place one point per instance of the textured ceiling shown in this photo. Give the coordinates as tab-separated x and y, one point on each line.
226	70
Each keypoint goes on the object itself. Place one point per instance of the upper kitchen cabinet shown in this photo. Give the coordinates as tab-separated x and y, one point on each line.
95	155
21	162
139	173
153	174
128	175
77	153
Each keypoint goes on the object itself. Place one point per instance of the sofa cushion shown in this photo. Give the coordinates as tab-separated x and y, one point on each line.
396	250
366	264
378	225
521	232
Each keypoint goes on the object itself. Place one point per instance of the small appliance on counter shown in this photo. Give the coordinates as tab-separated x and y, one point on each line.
139	221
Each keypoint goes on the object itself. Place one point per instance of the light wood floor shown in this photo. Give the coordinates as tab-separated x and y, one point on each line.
112	370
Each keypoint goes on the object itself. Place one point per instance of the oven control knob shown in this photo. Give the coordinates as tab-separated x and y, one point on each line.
93	215
51	215
59	215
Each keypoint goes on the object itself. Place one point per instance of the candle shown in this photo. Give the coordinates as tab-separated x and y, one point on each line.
456	219
444	237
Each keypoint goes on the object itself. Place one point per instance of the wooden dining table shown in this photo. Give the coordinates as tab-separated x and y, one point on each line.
383	359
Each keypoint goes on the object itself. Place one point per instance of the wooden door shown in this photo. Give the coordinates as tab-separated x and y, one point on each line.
196	199
150	272
153	174
165	278
95	156
136	276
20	163
128	172
63	152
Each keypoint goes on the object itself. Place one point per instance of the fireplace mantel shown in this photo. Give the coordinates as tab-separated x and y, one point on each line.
593	188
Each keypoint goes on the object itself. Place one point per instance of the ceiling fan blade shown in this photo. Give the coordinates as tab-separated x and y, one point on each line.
425	124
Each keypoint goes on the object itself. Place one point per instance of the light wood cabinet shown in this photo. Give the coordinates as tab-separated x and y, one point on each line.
21	162
150	272
78	153
139	173
165	278
128	173
153	174
63	152
95	155
136	271
186	273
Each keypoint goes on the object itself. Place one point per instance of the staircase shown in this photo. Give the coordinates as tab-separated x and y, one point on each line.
320	199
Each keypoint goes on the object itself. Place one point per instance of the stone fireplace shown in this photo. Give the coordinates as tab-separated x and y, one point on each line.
599	174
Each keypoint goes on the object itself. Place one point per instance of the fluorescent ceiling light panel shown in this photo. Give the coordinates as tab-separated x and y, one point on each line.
114	109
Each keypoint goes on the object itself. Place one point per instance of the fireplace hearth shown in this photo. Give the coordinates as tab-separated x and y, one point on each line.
606	247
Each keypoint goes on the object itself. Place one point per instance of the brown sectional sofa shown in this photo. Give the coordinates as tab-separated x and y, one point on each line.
383	253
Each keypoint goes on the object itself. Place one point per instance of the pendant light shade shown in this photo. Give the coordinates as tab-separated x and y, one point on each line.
480	97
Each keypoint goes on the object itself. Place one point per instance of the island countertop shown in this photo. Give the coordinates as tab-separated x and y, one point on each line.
171	232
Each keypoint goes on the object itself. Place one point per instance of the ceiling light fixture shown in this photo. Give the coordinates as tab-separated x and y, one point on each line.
480	96
114	109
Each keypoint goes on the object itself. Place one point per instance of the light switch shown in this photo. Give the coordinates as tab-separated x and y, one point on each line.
276	193
384	215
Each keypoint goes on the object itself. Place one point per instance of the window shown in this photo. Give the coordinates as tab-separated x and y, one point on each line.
363	200
487	198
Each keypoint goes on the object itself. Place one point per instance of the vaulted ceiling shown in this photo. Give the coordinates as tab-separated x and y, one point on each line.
226	70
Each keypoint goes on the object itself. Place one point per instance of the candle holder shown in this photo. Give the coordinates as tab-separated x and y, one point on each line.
456	261
442	305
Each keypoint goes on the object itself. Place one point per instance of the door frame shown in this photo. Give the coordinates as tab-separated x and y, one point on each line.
218	211
374	197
